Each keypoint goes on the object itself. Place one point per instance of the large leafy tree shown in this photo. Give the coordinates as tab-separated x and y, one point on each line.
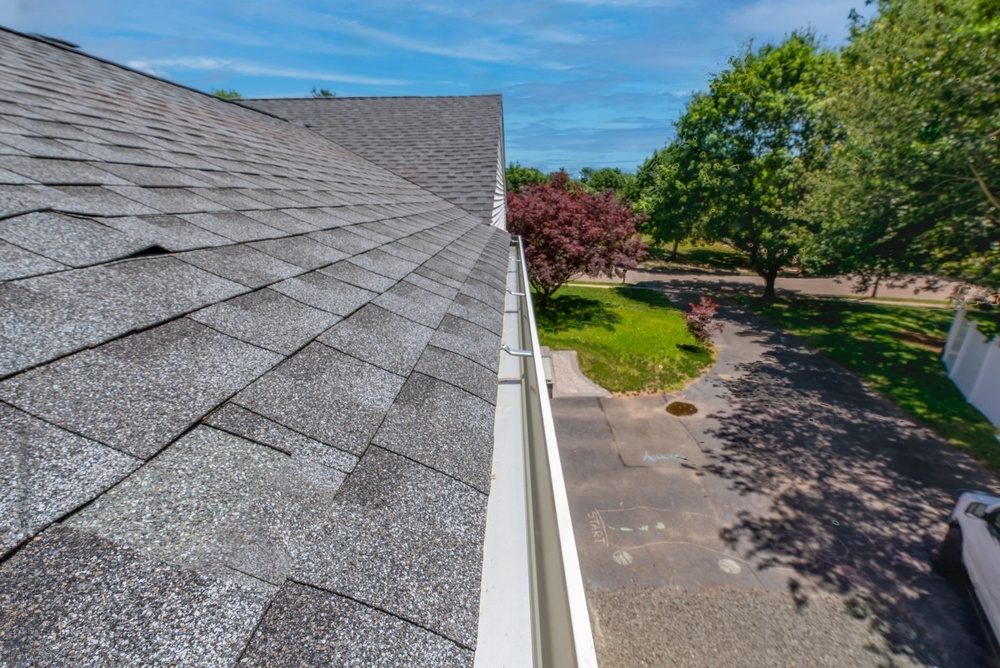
663	196
743	150
569	231
914	183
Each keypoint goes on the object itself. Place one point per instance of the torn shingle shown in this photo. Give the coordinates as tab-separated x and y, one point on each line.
45	472
238	420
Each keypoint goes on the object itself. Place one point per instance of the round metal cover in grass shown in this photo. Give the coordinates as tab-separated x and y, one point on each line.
681	408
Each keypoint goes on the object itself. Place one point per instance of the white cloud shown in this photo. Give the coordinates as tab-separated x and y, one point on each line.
160	66
486	50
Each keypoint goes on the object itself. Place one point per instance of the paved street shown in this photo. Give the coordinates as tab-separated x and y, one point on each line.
789	522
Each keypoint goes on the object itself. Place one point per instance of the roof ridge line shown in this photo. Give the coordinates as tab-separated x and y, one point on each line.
371	97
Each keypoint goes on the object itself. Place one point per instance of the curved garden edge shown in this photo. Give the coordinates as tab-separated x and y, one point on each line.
630	340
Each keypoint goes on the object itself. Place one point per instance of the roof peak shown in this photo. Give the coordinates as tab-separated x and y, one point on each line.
373	97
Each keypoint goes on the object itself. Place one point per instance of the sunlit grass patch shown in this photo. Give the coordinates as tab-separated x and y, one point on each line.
628	339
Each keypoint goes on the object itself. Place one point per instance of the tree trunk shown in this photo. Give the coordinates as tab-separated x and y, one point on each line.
673	253
875	286
769	280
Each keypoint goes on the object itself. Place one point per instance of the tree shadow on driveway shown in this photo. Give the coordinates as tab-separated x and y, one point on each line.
858	494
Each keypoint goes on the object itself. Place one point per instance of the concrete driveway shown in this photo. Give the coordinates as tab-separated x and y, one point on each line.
789	522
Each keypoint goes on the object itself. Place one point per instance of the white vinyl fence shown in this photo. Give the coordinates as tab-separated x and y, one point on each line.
973	364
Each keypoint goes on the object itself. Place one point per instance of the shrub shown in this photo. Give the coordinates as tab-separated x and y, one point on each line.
700	319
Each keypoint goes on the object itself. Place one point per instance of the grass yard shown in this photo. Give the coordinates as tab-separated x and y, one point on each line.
704	255
897	350
628	339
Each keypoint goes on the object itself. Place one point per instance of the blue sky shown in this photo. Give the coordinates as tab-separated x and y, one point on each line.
585	82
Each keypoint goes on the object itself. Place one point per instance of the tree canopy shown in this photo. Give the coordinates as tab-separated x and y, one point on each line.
518	177
569	231
913	184
737	168
322	92
608	178
230	94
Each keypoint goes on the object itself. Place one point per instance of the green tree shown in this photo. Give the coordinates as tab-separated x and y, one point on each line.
322	92
230	94
518	177
608	178
662	193
745	147
913	185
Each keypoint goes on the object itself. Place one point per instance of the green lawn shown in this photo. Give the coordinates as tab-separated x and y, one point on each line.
628	339
897	350
705	255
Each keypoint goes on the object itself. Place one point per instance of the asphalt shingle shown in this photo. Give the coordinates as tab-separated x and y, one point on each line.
355	275
70	598
326	395
300	251
242	264
415	303
139	392
69	240
44	317
325	292
267	319
213	501
408	540
442	426
380	337
16	262
459	371
46	471
237	420
208	410
449	145
305	626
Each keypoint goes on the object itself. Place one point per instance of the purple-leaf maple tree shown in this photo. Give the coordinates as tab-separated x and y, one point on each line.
568	231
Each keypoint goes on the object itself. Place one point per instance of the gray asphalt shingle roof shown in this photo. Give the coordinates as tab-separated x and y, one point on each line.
247	380
449	145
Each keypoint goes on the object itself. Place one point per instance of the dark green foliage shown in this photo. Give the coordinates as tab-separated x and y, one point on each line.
608	178
913	183
736	170
518	177
322	92
227	94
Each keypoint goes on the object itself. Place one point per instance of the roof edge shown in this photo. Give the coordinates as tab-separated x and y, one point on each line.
370	97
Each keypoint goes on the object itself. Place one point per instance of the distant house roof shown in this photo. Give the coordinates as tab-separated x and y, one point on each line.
453	146
247	382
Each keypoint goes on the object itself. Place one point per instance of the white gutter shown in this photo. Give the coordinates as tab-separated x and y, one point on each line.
533	611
